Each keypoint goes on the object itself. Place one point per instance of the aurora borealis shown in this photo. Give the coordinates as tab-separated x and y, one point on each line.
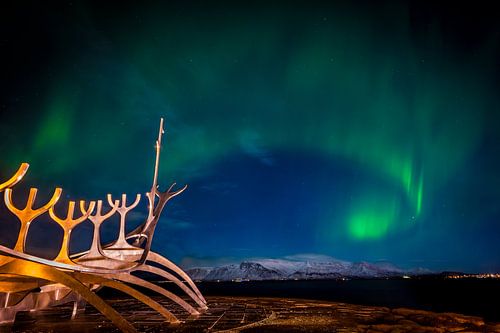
360	131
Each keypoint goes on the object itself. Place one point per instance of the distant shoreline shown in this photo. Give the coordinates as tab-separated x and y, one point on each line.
470	296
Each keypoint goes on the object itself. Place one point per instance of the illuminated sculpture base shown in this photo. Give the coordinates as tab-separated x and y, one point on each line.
29	283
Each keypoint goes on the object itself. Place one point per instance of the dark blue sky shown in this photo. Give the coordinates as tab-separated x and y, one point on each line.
360	131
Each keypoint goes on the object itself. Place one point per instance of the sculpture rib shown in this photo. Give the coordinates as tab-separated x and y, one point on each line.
72	267
151	286
170	277
156	258
22	267
121	242
86	278
52	297
110	262
28	213
16	178
67	224
97	219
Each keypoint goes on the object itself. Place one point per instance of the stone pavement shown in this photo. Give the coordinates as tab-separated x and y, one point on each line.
244	314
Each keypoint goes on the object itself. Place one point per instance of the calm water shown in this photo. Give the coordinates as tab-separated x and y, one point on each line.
472	297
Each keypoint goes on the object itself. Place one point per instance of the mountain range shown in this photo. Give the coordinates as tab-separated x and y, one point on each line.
300	267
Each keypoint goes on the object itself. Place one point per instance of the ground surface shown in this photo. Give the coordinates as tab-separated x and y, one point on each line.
244	314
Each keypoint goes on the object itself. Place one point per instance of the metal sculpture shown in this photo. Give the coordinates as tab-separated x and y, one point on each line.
29	283
28	214
95	251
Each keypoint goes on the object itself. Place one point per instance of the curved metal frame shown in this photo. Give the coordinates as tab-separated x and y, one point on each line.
28	282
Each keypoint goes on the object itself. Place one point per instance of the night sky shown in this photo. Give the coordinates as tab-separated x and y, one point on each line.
360	131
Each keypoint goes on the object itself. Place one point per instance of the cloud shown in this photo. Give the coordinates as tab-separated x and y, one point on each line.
250	143
136	216
208	261
176	224
219	187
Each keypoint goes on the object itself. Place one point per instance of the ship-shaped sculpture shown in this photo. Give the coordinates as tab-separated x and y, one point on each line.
30	283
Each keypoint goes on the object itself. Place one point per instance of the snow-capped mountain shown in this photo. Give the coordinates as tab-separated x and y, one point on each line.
302	267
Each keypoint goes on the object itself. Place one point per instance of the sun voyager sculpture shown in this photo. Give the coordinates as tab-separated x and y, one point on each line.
29	283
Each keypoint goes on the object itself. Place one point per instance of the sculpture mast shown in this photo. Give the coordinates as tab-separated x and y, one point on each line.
146	230
152	193
157	162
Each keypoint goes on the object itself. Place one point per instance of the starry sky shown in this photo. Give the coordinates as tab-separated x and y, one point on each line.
357	130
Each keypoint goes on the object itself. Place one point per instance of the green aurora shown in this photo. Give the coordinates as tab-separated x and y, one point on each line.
400	99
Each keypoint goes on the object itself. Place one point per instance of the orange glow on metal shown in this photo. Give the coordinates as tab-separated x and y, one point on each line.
23	168
28	282
67	224
28	213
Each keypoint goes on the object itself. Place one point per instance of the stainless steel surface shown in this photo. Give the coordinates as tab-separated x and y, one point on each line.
29	283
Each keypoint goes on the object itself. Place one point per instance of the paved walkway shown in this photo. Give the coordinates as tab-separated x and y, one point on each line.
239	314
